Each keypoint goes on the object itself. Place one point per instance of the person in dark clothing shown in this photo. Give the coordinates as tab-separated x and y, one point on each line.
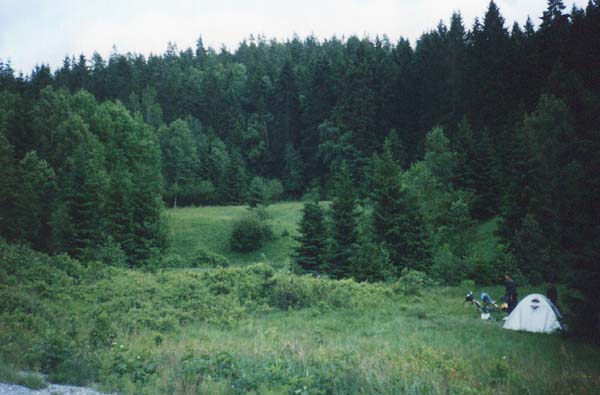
552	294
511	293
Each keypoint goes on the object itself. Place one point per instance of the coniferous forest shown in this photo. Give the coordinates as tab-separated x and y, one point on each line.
411	144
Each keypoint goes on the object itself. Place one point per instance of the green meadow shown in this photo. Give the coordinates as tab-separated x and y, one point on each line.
256	328
208	228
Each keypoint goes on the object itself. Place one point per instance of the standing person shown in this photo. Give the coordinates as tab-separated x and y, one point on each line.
511	293
552	294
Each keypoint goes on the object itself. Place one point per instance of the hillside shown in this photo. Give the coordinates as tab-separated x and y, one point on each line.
195	228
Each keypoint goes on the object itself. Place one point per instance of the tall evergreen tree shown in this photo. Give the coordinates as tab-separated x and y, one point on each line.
234	184
396	220
310	254
343	223
32	194
8	183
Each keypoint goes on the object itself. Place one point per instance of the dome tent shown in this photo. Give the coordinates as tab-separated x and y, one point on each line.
535	313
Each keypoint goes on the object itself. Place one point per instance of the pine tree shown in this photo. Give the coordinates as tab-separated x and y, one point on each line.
396	220
463	145
293	181
485	176
179	155
32	193
84	184
233	188
343	223
8	183
398	148
310	254
257	192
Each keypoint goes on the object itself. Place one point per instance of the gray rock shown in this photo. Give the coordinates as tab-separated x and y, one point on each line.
52	389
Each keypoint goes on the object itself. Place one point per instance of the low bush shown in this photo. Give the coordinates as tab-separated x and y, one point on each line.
206	258
412	283
250	233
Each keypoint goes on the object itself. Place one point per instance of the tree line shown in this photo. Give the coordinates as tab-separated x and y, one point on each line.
481	122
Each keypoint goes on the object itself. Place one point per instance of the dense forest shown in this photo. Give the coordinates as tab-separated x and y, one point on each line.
412	144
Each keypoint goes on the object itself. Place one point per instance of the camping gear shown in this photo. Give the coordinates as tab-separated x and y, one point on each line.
535	313
486	298
488	302
468	297
488	306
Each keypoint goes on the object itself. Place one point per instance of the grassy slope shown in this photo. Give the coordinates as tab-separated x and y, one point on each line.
192	229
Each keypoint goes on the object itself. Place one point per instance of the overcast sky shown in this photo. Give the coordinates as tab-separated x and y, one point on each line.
44	31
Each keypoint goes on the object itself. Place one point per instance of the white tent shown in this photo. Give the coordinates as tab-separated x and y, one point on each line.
535	313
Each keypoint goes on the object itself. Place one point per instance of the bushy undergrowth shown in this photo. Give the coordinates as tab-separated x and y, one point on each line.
67	319
255	330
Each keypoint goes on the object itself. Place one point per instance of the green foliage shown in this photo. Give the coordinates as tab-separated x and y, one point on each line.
250	232
253	329
370	260
294	177
206	258
178	154
234	180
397	223
32	195
310	254
293	111
263	192
343	224
447	267
109	253
195	230
89	172
8	374
8	180
412	283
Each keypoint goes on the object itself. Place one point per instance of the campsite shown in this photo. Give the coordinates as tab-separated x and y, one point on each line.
316	197
206	330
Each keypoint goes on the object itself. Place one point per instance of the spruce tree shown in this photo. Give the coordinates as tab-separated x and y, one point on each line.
396	220
8	182
234	180
293	180
32	195
343	223
310	254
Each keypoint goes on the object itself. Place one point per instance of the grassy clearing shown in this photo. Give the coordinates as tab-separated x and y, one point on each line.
193	229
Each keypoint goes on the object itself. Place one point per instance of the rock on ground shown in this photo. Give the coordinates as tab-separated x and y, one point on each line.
52	389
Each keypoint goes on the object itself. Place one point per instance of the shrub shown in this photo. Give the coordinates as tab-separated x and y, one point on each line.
249	233
274	190
467	285
109	253
206	258
447	267
490	269
171	260
412	282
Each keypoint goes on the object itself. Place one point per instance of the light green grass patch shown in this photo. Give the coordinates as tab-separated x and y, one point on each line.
193	228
